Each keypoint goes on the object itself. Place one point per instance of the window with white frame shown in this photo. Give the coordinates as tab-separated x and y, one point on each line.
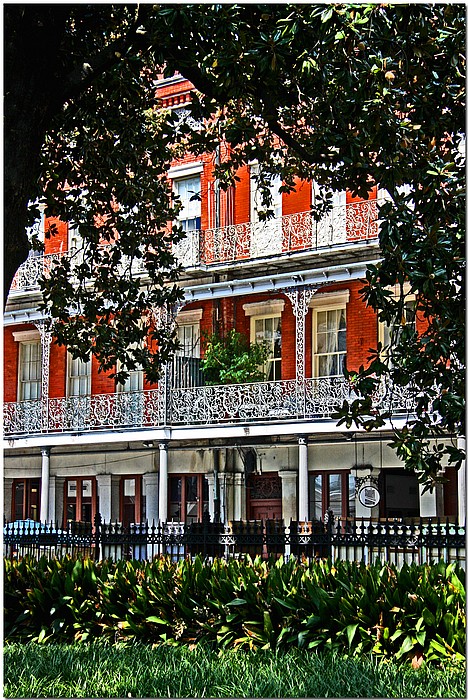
267	329
188	190
134	381
389	335
329	334
330	342
265	326
188	336
188	332
30	366
256	201
79	376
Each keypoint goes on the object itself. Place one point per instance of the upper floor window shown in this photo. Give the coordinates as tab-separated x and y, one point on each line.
389	336
79	376
256	200
30	363
188	191
329	342
188	335
268	329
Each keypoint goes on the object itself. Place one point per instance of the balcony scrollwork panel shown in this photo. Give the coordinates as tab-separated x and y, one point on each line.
200	405
24	417
291	233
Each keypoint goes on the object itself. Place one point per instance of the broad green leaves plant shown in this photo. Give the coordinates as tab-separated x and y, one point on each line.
231	359
417	611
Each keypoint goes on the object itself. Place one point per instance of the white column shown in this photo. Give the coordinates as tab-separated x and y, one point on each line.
239	497
288	495
427	503
210	479
303	491
51	515
162	482
45	474
151	483
461	476
104	484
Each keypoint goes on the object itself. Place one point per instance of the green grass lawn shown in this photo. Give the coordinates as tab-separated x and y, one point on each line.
99	671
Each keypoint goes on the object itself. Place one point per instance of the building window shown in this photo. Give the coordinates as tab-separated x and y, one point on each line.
26	499
188	497
334	490
329	342
188	336
79	376
257	207
188	190
268	329
80	499
132	500
30	364
389	336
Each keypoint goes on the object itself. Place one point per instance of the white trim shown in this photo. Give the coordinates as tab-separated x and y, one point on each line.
333	300
270	307
186	170
26	336
186	318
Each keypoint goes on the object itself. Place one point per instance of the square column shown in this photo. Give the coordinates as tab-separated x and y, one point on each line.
45	474
51	516
163	480
151	482
303	488
104	485
288	495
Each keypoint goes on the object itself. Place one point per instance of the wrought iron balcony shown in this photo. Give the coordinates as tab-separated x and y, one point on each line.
289	234
285	400
292	233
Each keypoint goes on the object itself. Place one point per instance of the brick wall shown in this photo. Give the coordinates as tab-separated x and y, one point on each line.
299	200
10	362
56	236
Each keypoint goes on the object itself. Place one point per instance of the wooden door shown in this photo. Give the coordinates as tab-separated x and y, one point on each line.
264	497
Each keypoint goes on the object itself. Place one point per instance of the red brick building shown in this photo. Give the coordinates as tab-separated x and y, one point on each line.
77	444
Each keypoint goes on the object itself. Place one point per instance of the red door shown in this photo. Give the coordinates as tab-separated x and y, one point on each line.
265	497
265	510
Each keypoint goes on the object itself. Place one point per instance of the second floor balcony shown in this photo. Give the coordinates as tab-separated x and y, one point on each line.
289	235
279	401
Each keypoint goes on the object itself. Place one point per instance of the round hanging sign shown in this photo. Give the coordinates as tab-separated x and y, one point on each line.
368	495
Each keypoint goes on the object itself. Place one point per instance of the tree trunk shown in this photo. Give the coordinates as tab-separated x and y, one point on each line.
33	39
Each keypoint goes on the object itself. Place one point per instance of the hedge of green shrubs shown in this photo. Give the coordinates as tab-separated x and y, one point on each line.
412	612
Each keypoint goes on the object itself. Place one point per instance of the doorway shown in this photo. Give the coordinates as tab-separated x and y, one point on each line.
264	497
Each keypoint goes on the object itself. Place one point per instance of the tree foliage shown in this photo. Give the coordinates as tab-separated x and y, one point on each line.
345	94
231	359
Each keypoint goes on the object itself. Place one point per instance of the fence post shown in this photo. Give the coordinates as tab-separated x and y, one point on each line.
97	535
329	521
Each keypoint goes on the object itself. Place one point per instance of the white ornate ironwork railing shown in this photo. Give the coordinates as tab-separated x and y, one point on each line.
289	234
84	413
36	266
231	403
202	405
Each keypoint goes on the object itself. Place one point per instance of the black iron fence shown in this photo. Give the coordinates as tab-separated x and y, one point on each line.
422	540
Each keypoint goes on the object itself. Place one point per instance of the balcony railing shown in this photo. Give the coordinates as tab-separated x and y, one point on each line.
289	234
285	400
